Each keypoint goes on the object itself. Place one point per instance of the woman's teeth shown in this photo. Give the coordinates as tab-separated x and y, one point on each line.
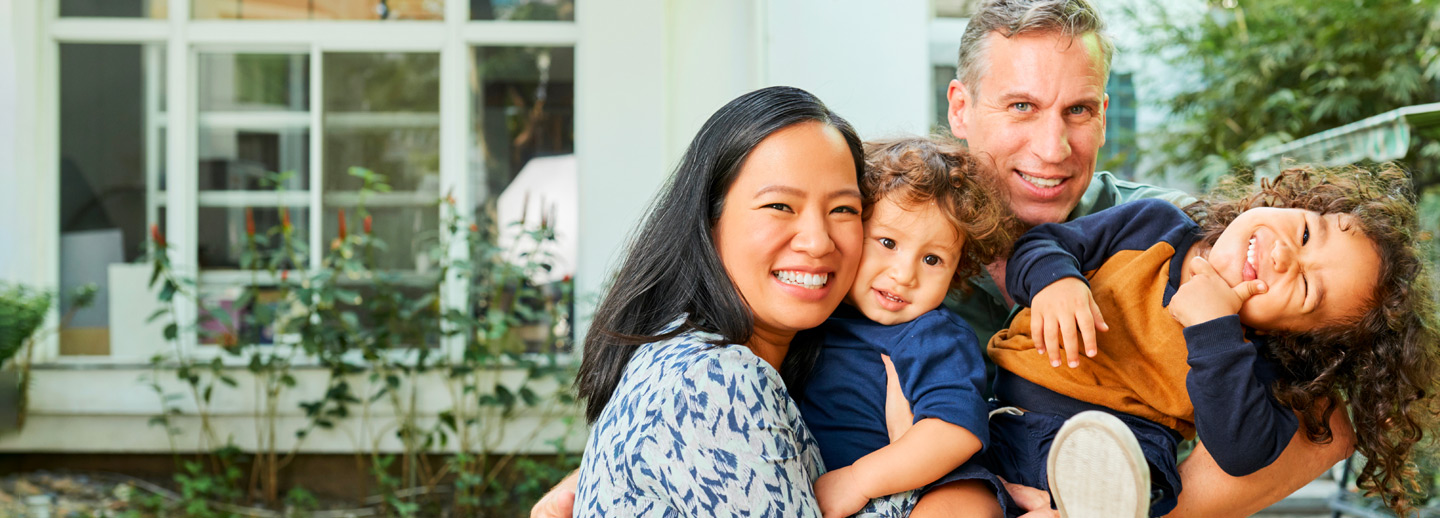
1250	255
809	281
1041	182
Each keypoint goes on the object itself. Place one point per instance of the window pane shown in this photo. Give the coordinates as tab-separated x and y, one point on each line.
409	234
223	238
524	167
382	116
563	10
114	8
254	120
322	10
110	135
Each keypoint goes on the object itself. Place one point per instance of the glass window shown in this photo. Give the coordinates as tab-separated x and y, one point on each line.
110	157
114	8
548	10
382	119
317	10
523	170
254	121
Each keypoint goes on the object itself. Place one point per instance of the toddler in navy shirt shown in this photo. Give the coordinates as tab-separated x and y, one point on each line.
931	221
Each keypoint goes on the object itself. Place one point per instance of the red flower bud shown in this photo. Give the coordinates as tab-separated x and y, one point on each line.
249	222
156	236
285	219
367	223
474	227
342	224
284	275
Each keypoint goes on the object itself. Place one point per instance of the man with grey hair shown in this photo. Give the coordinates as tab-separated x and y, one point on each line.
1030	99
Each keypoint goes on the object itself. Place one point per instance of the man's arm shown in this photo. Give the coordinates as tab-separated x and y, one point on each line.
560	501
1209	492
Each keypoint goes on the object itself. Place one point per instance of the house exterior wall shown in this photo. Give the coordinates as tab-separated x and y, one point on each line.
648	73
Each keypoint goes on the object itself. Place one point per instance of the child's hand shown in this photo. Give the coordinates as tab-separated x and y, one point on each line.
1065	314
1206	296
838	493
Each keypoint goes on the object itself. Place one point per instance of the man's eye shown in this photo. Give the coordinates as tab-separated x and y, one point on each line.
932	260
1078	110
1305	237
887	243
1024	107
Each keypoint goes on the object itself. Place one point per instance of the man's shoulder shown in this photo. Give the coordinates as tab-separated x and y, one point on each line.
1106	190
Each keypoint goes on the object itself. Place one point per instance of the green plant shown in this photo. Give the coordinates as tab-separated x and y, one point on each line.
1274	71
378	334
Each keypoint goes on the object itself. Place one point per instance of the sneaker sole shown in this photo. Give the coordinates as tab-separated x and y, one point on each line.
1096	469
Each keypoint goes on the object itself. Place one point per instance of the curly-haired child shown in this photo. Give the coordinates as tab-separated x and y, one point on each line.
1308	293
931	221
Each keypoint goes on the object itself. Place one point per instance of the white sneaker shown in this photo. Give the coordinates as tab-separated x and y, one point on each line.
1096	469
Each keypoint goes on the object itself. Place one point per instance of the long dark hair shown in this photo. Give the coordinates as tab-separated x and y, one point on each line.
671	266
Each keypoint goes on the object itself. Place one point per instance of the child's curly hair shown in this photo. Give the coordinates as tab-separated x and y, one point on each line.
924	170
1384	362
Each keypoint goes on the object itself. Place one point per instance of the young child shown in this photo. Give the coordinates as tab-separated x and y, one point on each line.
930	224
1307	294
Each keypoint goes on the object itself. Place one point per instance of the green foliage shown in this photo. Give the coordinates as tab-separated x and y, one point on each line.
1277	70
22	311
377	332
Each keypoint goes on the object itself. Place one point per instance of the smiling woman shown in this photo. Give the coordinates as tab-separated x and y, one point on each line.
756	238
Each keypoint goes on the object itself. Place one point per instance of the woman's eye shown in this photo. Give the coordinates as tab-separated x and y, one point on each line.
846	209
779	206
932	260
1305	237
887	243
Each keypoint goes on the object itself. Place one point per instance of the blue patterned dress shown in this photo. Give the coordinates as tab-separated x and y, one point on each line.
699	430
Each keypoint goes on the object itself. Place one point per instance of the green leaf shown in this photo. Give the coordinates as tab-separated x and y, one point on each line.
171	331
167	291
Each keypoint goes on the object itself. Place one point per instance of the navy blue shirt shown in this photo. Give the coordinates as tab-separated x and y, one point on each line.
1229	383
941	374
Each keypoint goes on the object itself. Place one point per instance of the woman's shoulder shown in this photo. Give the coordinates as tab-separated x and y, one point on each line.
697	361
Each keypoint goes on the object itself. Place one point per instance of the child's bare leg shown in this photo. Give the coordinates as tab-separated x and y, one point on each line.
961	498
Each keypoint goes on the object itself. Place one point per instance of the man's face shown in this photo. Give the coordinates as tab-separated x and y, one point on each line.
1039	118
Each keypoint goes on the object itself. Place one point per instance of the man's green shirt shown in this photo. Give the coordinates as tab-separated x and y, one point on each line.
985	309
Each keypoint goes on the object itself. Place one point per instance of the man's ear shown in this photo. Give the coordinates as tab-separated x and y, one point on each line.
959	98
1104	117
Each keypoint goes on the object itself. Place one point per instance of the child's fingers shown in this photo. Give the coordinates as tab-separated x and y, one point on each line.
1037	328
1100	324
1053	344
1072	342
1087	331
1245	290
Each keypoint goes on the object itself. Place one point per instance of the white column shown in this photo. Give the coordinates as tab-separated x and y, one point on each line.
869	61
619	131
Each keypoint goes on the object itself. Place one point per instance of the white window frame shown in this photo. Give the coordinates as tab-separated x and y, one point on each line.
452	38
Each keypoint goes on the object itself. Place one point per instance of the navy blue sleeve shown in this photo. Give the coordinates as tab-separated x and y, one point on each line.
1050	252
1241	423
942	372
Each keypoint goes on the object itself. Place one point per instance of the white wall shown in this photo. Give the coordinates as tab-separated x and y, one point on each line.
869	61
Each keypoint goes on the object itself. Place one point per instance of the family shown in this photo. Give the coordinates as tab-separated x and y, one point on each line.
801	324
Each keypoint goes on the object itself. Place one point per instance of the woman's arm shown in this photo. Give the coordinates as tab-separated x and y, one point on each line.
1208	491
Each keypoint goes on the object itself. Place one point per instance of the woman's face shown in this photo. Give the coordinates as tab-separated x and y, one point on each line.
790	233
